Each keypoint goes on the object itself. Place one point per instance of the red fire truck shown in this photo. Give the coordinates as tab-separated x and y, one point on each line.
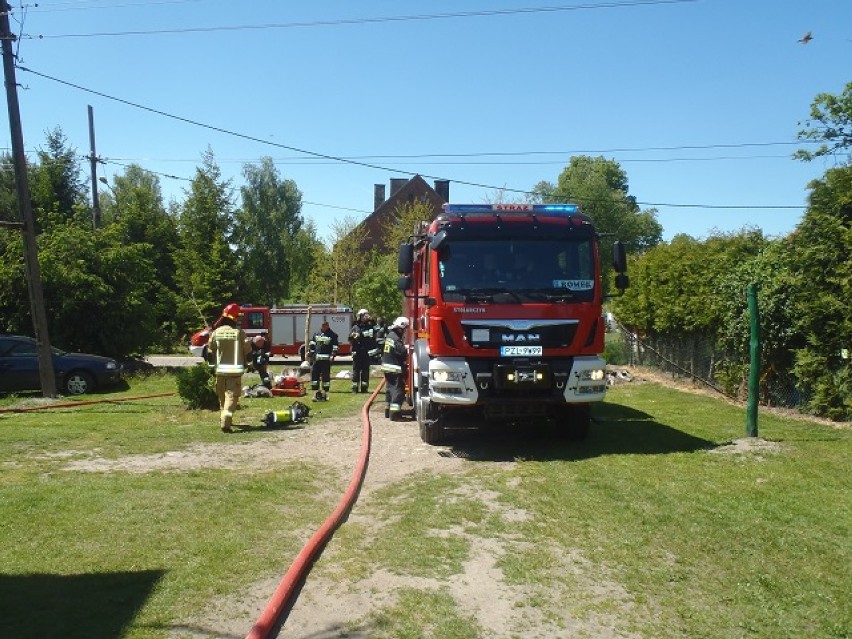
285	326
504	305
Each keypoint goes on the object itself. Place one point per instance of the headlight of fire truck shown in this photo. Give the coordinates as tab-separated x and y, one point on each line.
592	375
446	376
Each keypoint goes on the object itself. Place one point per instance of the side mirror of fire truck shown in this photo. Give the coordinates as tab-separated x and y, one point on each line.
619	262
405	260
619	257
404	283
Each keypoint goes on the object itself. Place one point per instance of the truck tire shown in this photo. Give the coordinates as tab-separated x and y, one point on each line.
431	431
577	421
431	427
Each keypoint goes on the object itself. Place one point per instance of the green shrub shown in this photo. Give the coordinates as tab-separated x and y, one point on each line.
197	387
732	377
616	352
826	383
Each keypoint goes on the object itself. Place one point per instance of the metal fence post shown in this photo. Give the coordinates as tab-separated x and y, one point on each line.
754	370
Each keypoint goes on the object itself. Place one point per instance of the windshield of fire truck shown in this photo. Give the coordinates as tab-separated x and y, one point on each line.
517	270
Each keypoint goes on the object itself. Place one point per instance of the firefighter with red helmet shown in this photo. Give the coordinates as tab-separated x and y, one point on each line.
394	366
226	351
364	349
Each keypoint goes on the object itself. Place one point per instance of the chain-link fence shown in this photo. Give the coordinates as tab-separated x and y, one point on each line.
695	358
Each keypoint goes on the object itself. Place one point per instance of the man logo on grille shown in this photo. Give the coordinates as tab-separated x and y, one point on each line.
520	338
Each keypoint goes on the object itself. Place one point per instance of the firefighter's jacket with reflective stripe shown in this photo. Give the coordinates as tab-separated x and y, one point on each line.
363	340
324	345
395	354
228	349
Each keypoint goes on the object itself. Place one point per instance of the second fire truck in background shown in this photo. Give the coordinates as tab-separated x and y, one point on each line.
285	326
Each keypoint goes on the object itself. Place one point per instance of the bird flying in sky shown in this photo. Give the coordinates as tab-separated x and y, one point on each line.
806	38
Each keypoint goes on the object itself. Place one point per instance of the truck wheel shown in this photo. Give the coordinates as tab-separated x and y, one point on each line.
432	431
431	428
578	419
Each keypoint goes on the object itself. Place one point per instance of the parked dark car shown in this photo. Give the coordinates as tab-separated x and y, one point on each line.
76	373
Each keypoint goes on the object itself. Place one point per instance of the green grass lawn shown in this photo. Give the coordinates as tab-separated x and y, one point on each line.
675	535
674	540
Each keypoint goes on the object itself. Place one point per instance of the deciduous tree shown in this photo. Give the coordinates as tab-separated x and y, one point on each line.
133	210
600	187
831	124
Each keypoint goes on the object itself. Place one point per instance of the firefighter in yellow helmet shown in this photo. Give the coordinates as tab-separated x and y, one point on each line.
226	351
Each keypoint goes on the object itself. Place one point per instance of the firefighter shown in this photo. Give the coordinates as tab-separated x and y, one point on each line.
323	349
394	366
364	348
260	353
226	351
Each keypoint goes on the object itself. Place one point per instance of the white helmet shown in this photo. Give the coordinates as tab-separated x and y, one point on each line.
400	322
362	313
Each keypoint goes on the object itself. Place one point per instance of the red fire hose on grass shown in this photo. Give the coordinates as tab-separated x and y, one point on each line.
86	403
285	595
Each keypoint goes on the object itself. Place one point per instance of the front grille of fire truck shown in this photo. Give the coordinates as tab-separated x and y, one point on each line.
548	334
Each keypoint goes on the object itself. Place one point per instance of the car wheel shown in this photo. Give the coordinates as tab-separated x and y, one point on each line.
78	382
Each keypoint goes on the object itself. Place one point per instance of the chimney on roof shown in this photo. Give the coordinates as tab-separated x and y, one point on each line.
397	184
378	196
442	188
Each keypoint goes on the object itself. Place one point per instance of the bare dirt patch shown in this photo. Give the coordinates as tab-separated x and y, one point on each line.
748	446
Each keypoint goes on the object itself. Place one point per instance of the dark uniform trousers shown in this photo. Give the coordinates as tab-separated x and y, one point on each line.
394	367
364	348
324	347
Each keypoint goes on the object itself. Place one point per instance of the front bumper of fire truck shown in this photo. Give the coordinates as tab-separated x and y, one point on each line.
587	380
452	382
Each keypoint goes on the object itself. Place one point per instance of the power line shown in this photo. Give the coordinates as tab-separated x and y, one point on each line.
185	179
562	153
78	5
313	162
341	208
376	20
260	140
344	160
127	166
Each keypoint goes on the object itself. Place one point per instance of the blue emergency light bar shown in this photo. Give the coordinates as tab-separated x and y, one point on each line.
541	209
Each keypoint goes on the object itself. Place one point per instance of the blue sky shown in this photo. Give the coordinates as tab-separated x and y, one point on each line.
698	100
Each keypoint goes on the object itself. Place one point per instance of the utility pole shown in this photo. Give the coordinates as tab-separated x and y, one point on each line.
45	360
93	157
